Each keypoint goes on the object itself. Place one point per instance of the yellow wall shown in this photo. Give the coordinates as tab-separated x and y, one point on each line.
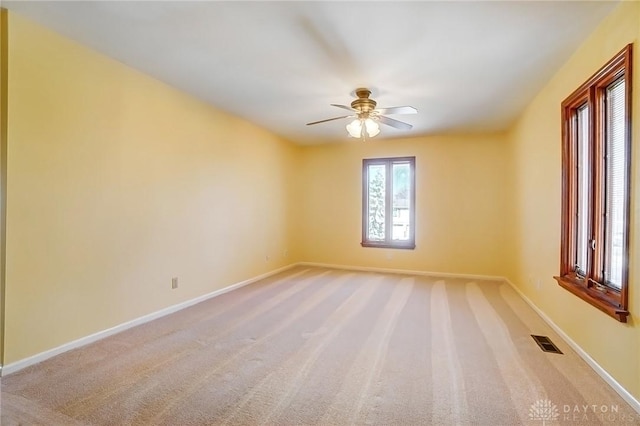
535	160
116	184
460	202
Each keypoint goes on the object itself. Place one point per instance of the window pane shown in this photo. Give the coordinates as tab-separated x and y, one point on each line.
401	201
376	202
615	184
582	189
388	207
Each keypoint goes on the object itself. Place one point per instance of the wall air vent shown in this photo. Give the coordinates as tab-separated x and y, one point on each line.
546	344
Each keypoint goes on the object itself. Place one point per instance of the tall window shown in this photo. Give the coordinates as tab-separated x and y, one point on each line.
596	144
388	202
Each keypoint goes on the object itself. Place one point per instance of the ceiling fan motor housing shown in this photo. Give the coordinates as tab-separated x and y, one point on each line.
363	104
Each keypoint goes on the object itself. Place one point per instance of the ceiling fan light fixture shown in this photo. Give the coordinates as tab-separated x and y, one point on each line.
355	128
372	127
359	126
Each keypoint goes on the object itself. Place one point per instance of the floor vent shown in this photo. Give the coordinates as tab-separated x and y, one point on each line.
546	344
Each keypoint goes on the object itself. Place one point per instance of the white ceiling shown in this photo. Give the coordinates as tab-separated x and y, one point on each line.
466	66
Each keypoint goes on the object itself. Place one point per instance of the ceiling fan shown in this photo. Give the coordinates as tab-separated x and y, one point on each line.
366	116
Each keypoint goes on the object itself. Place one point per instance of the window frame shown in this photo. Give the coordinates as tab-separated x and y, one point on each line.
592	287
388	242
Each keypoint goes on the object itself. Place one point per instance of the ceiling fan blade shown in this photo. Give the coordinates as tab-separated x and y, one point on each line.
398	110
330	119
348	108
394	123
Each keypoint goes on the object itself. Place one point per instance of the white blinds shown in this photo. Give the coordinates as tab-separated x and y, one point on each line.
615	183
582	189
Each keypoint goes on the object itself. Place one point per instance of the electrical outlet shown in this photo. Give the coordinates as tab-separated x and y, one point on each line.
266	258
285	253
174	282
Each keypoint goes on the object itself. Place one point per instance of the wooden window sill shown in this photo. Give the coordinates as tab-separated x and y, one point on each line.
593	298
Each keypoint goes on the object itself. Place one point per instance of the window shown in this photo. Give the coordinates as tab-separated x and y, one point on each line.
596	144
388	202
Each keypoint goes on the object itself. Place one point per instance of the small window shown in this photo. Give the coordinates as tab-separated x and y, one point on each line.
388	202
596	152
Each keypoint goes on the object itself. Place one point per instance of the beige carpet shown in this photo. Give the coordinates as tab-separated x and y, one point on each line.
322	346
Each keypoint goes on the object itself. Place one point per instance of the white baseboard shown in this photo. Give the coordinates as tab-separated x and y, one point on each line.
404	271
26	362
630	399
